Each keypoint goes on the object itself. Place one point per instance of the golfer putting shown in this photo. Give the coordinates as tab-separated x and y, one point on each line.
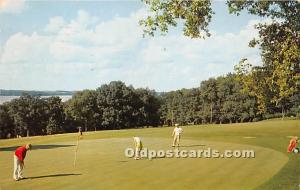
176	134
138	147
19	157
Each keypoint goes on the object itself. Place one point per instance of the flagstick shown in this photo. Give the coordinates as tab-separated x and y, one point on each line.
75	158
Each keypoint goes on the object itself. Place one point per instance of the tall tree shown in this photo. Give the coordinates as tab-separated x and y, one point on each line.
119	105
149	115
280	45
6	123
56	116
210	97
83	108
29	114
255	83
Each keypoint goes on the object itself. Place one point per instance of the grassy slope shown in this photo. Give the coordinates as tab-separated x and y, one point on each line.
269	134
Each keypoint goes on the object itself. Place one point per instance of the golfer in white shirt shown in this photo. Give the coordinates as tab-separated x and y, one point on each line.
176	134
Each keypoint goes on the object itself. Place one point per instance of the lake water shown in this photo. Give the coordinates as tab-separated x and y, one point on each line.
9	98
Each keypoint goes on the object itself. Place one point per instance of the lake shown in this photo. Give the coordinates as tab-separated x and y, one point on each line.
9	98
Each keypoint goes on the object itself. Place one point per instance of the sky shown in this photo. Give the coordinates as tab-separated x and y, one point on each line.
76	45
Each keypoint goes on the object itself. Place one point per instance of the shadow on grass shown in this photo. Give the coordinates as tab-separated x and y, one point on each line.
195	145
54	175
36	147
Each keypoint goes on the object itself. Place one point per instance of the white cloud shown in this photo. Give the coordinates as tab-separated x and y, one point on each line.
1	49
85	19
84	39
12	6
55	24
21	48
174	61
85	53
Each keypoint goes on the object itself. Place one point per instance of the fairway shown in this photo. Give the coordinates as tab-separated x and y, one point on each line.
101	163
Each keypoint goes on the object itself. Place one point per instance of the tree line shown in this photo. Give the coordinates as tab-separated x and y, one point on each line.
117	106
220	100
111	106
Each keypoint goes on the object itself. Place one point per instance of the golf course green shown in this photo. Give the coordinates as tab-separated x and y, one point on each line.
102	164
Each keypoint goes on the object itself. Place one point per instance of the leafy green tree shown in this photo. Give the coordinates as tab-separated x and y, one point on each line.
223	94
192	106
254	82
280	45
195	15
56	116
149	114
29	114
84	110
119	105
285	81
210	97
6	123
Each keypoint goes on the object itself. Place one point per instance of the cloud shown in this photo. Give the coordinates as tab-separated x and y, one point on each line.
175	61
84	39
85	52
21	48
12	6
55	24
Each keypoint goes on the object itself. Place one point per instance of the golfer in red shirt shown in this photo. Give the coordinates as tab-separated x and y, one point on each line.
19	157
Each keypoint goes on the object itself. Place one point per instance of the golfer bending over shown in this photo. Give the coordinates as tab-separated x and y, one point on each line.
138	147
19	157
176	134
293	144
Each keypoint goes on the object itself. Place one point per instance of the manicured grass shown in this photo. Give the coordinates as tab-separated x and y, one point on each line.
101	163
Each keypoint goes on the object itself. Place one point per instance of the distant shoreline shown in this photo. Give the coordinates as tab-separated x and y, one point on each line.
35	93
4	99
